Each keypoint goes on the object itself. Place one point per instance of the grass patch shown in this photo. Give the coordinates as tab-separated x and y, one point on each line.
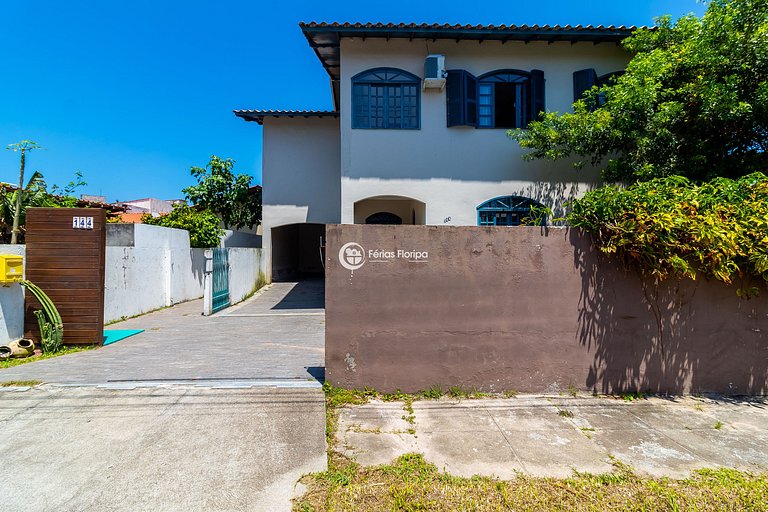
8	363
718	425
410	483
565	413
20	383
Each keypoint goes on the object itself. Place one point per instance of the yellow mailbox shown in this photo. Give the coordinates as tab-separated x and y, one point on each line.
11	268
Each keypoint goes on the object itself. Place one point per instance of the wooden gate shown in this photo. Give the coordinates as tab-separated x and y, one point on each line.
65	257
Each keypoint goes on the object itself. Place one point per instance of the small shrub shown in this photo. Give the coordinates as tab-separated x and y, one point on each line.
203	226
671	227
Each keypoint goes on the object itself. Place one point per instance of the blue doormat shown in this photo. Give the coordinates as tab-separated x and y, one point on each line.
114	335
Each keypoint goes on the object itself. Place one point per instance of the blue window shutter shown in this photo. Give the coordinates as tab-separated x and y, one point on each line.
470	99
454	96
583	81
461	98
538	103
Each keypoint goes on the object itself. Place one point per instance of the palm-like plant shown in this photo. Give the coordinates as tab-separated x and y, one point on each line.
34	194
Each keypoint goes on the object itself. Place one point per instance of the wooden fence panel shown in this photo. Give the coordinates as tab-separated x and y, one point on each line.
65	257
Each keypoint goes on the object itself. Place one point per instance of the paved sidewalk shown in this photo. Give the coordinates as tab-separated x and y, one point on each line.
277	334
554	436
171	448
195	414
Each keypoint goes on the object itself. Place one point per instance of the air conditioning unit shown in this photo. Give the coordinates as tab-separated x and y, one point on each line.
434	72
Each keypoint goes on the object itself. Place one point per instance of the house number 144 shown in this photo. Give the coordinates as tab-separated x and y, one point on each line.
82	222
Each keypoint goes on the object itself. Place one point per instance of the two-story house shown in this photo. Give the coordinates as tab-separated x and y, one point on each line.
418	134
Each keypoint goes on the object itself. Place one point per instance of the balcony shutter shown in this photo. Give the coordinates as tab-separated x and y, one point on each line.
583	81
454	95
470	99
461	98
538	103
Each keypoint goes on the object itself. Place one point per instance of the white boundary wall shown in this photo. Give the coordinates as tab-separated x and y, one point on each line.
244	267
11	303
148	268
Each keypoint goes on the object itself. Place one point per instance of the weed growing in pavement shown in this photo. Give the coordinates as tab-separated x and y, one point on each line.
718	425
20	383
433	393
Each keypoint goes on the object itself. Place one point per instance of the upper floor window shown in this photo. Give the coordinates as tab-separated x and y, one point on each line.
507	211
385	98
500	99
585	79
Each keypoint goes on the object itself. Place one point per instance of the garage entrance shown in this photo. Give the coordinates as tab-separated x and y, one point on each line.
298	251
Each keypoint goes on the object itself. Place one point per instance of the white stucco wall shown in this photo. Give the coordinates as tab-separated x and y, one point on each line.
241	238
453	170
301	175
11	303
149	268
244	266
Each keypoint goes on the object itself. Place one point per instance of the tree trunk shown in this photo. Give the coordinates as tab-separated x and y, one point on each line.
17	216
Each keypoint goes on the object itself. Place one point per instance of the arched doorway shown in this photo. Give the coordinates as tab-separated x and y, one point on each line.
384	218
393	210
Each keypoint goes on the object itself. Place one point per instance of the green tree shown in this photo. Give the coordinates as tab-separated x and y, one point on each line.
693	102
203	226
227	195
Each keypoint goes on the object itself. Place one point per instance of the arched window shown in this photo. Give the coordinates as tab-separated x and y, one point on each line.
507	211
509	98
385	98
384	218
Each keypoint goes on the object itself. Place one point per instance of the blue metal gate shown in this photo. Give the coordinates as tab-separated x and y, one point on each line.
220	279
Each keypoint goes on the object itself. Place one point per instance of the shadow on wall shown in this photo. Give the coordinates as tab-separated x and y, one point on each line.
674	336
198	265
555	195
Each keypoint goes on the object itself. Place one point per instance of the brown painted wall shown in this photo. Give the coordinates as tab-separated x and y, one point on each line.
526	310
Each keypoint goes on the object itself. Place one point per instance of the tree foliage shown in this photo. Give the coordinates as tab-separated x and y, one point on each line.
227	195
673	227
65	196
203	226
693	102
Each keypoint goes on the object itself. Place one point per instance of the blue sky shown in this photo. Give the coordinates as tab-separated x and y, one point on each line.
134	93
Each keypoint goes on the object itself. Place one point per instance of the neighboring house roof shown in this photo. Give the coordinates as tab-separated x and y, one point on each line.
131	218
259	115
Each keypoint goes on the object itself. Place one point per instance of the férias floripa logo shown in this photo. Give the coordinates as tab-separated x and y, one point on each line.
352	256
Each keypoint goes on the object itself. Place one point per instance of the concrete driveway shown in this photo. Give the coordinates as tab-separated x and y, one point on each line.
196	413
279	334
